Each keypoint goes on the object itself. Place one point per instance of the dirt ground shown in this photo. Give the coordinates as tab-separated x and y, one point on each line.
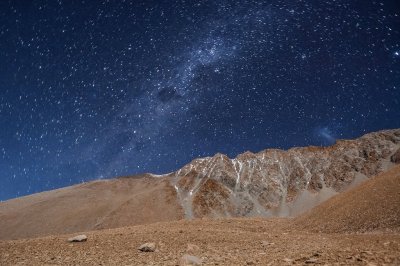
241	241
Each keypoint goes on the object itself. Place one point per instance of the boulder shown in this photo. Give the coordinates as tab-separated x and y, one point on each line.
78	238
148	247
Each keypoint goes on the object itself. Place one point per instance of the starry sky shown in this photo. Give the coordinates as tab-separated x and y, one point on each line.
98	89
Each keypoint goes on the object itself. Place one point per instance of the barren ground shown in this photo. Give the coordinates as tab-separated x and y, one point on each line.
221	242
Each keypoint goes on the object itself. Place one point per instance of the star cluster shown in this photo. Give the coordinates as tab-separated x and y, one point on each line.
97	89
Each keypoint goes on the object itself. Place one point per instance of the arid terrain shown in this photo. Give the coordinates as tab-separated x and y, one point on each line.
238	241
358	225
341	231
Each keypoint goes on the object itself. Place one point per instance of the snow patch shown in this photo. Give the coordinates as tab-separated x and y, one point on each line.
237	164
158	176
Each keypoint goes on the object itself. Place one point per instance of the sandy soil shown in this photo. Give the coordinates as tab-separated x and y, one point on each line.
219	242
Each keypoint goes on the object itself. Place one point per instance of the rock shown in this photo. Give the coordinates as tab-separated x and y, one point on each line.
148	247
266	243
311	261
78	238
187	260
287	260
396	157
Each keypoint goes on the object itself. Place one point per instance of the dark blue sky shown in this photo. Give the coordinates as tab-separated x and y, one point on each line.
92	89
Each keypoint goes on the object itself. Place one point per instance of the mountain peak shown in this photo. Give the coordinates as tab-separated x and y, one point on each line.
275	182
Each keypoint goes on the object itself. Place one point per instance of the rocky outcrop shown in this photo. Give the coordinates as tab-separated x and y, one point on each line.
396	157
280	183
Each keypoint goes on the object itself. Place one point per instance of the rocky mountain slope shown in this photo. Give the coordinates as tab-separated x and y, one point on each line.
269	183
281	183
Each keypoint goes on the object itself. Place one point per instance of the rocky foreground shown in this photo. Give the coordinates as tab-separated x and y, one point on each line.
240	241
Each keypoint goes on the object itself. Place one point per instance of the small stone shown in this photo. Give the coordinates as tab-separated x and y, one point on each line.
311	261
266	243
148	247
79	238
287	260
187	260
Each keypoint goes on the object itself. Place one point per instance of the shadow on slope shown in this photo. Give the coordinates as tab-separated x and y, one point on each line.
372	206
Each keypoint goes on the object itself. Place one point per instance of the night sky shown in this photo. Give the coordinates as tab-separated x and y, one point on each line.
98	89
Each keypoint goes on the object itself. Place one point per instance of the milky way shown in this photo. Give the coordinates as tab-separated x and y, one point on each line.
97	89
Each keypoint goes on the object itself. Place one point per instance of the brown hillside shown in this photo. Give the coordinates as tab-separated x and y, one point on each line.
372	206
95	205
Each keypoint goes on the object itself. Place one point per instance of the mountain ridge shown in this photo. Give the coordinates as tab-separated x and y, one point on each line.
269	183
235	187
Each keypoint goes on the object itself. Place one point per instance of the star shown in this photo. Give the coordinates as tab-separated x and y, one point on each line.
97	90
